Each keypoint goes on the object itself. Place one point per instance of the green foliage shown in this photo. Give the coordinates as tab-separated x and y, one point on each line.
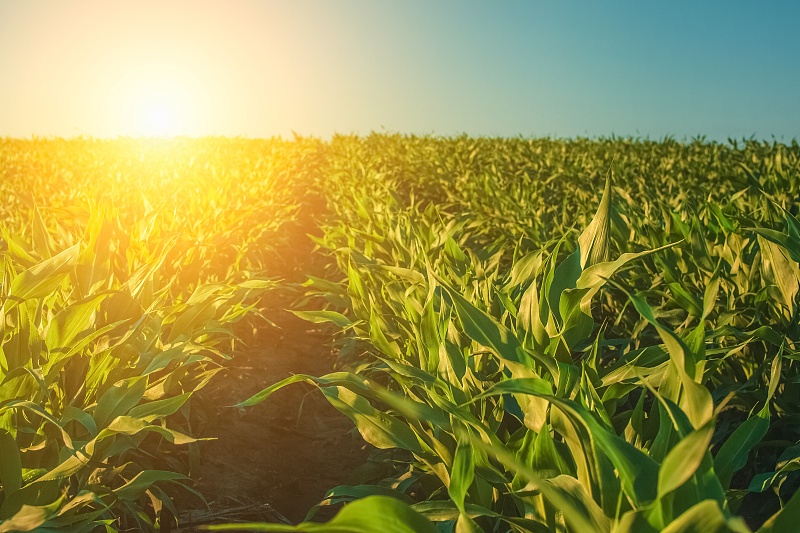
636	376
115	311
537	335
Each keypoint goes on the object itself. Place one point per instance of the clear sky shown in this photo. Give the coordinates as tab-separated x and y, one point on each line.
506	68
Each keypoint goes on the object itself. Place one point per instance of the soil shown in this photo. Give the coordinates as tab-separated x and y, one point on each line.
274	461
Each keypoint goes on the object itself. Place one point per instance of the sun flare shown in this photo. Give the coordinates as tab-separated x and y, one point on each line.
159	102
157	116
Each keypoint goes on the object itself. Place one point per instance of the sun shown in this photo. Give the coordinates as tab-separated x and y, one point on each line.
158	101
158	115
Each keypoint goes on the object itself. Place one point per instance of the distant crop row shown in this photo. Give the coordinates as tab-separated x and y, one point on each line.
536	335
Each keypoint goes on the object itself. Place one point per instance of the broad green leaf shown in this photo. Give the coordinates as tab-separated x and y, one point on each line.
706	517
346	493
85	419
594	242
565	276
10	463
790	243
684	459
43	278
319	317
547	457
136	487
42	243
634	521
118	400
595	276
382	430
536	386
695	399
127	425
335	378
485	330
638	473
71	321
39	494
710	296
29	518
782	270
732	455
442	511
159	408
373	513
578	516
462	473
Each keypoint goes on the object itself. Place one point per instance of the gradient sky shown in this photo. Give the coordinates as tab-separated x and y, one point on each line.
258	69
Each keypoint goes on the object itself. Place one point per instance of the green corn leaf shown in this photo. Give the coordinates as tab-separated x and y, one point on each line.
782	270
566	496
380	429
732	455
71	321
443	511
348	493
565	277
595	276
684	459
462	473
638	472
535	386
10	463
85	419
126	425
710	296
373	513
43	278
485	330
790	243
34	408
42	243
706	517
118	400
30	517
696	400
159	408
344	379
136	487
15	248
36	494
594	241
547	457
319	317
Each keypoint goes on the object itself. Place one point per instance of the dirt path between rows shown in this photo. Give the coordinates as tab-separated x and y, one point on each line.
275	460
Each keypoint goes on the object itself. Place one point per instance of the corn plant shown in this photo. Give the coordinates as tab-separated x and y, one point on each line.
97	366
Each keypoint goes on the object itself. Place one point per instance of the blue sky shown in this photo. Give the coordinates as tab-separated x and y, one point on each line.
720	69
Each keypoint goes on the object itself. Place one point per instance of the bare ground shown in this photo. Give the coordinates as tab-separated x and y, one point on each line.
273	461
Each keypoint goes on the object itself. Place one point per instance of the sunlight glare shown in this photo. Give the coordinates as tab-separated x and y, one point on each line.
159	102
157	116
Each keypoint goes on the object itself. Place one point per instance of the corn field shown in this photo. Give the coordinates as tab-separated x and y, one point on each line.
533	334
